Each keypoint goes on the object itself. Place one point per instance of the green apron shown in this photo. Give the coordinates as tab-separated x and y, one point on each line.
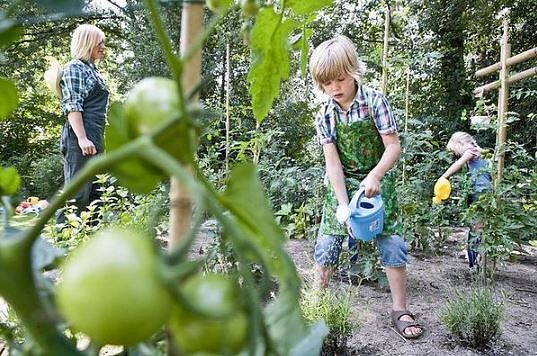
360	148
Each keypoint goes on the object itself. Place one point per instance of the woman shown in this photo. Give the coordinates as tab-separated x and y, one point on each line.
84	101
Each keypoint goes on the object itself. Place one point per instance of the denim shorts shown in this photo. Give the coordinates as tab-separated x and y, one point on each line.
392	250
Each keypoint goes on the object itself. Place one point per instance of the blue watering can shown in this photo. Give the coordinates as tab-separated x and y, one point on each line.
366	216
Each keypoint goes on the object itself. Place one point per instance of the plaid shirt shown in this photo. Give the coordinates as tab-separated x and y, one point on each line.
325	120
78	79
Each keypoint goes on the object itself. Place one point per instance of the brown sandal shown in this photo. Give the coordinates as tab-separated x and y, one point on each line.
402	325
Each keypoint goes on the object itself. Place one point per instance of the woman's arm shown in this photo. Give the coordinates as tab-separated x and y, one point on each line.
458	164
392	150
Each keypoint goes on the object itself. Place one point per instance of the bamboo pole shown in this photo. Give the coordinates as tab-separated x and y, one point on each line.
521	57
385	50
180	200
227	105
502	101
407	109
512	79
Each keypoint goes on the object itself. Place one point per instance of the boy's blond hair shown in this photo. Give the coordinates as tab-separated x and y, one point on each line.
85	38
460	142
333	58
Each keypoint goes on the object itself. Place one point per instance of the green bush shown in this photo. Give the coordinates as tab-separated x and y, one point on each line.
474	317
335	310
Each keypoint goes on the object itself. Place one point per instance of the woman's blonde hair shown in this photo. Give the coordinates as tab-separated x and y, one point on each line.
85	38
460	142
333	58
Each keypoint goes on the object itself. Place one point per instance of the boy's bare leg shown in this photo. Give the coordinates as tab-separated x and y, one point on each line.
324	273
397	282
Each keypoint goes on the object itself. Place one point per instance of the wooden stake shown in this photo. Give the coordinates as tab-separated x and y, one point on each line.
227	105
385	51
180	201
407	109
502	101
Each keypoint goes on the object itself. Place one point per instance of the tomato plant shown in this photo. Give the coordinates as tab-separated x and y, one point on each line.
111	289
223	329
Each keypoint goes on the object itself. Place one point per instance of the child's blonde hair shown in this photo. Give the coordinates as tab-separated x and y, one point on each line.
85	38
333	58
460	142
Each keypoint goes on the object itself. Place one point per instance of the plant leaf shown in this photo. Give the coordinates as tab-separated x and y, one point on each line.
245	198
9	31
270	59
9	98
9	181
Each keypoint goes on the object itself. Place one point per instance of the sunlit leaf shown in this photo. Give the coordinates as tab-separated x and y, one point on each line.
270	59
302	7
9	98
9	181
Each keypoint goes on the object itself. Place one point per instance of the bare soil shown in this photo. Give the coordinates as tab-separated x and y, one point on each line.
434	278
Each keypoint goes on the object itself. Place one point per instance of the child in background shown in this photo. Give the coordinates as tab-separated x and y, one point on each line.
464	146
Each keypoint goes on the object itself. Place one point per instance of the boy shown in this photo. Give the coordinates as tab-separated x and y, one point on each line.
360	144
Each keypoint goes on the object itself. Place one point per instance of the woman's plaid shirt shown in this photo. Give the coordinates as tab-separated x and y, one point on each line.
77	81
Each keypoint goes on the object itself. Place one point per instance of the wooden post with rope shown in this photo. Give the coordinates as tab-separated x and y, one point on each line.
506	61
180	200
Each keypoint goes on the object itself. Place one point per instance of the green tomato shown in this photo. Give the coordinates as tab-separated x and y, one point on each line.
225	331
150	103
249	7
111	290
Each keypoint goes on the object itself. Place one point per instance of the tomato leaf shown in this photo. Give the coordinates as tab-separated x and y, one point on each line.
287	327
9	31
244	197
312	342
44	254
302	7
9	98
270	59
9	181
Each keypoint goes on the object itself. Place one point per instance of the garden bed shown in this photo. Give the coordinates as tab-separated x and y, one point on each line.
432	280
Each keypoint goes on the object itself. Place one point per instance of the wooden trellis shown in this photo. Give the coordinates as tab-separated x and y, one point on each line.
506	61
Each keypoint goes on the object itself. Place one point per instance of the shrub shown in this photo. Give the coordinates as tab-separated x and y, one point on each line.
335	310
474	317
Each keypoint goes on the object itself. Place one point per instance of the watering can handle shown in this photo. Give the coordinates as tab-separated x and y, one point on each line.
356	198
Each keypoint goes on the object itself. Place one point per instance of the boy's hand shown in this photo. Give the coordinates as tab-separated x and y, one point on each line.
371	185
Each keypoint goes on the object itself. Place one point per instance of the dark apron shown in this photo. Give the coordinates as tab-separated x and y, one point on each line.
94	120
360	148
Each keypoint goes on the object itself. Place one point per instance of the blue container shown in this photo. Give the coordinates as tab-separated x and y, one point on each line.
367	216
